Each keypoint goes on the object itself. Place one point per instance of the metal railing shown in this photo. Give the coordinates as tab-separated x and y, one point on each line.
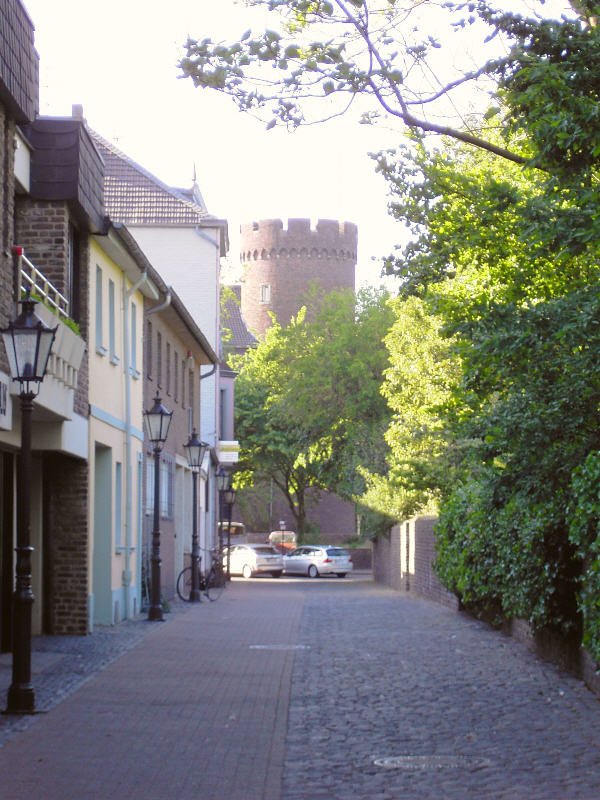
29	278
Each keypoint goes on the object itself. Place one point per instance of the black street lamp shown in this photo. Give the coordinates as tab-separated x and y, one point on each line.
223	480
229	496
195	450
157	421
28	342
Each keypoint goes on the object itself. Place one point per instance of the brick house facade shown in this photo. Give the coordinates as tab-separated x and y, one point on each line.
50	221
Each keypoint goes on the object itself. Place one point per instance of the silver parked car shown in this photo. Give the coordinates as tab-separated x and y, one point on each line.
315	560
253	559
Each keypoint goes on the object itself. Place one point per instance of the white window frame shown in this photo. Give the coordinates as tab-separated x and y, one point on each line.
100	348
265	293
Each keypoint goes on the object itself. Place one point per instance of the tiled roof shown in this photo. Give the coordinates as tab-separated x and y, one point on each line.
135	196
241	338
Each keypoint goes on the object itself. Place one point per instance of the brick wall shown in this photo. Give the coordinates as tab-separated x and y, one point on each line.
404	560
42	228
386	559
7	188
65	544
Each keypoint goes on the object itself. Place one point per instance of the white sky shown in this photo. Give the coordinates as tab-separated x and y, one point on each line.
117	58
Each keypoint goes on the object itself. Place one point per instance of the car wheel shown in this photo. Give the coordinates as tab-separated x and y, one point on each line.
247	571
341	574
313	572
276	574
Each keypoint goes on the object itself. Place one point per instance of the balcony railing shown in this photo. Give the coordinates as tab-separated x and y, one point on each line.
29	278
68	348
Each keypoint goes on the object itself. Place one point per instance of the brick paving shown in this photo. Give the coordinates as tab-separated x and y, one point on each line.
300	690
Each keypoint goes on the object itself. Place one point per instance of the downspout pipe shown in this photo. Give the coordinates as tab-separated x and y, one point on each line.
161	306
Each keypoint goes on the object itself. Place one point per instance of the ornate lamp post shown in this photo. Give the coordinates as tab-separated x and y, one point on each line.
229	496
28	342
195	450
222	484
157	421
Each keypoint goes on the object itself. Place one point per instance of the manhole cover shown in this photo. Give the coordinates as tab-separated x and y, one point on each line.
431	762
279	647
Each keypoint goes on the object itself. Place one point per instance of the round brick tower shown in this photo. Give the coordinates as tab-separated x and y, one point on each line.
282	264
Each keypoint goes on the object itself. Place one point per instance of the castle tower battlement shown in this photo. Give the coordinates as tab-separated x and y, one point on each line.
282	260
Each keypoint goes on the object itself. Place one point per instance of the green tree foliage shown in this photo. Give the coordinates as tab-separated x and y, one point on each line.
271	447
584	519
493	382
521	312
321	56
422	371
507	258
309	412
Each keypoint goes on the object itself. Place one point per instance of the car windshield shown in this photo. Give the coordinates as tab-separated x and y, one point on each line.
336	551
265	549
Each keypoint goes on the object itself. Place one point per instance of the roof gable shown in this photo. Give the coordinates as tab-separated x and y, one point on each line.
134	196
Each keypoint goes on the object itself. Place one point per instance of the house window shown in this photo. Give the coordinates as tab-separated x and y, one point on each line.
168	370
183	383
149	344
133	365
159	360
167	475
265	293
118	505
175	375
222	407
167	485
112	343
100	348
149	485
191	392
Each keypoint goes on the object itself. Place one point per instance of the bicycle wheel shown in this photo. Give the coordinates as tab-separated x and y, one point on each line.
215	583
184	583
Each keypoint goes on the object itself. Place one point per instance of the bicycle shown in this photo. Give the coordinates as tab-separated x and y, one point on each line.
211	583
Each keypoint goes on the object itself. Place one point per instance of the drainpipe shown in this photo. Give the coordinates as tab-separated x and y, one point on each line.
161	306
127	338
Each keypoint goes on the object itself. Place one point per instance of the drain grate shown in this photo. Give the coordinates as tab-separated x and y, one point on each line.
431	762
279	647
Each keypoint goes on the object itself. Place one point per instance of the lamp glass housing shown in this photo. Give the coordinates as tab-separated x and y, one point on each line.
229	496
28	342
195	450
157	421
223	479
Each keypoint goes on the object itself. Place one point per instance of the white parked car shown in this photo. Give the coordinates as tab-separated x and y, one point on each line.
315	560
253	559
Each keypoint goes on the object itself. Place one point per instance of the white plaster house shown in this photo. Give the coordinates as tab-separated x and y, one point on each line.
118	285
185	245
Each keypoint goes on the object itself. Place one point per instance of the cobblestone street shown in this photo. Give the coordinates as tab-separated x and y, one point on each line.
295	689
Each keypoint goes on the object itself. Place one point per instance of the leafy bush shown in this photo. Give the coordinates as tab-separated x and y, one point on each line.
584	534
